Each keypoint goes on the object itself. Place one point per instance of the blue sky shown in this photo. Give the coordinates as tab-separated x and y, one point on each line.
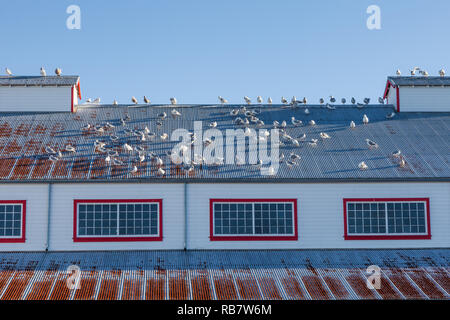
196	50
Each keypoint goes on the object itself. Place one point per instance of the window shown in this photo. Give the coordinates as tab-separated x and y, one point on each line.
253	219
367	219
12	221
117	220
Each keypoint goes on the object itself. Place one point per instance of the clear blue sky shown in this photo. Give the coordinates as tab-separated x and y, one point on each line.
196	50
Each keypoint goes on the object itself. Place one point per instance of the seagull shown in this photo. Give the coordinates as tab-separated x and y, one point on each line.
424	73
312	123
175	113
134	100
363	166
366	100
296	122
390	115
141	157
108	159
50	150
295	142
290	163
269	100
161	171
321	101
70	148
146	100
399	73
353	100
365	119
283	124
371	144
330	107
97	100
380	100
305	100
127	147
134	170
313	142
159	161
259	99
115	102
343	100
332	99
8	72
402	162
43	73
58	71
396	154
306	111
284	101
88	100
352	125
247	100
173	100
53	158
162	115
114	138
234	112
164	136
302	137
222	100
276	124
324	135
213	124
359	105
294	156
413	71
442	72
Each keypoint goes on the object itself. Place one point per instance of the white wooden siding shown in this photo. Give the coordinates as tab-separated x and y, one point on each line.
424	99
320	213
35	99
392	97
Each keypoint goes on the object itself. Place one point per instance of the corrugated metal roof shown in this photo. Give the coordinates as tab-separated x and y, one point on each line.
243	275
38	80
423	138
419	81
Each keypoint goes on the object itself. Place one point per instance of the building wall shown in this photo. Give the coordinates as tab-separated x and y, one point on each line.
61	236
36	197
320	213
424	99
392	97
35	99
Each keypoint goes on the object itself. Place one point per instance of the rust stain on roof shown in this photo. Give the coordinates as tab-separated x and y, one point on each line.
22	168
41	168
6	165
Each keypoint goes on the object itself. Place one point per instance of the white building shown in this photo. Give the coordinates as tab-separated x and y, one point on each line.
80	201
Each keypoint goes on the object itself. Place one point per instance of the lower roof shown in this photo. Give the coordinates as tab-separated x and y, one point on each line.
231	275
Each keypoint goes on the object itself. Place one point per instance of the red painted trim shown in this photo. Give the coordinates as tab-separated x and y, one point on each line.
116	239
386	90
71	98
387	237
398	98
212	237
79	90
24	213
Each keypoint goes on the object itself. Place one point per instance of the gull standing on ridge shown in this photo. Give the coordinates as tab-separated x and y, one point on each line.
127	147
134	100
146	100
305	100
269	100
343	100
332	99
398	72
352	125
222	100
312	123
175	113
284	101
58	72
366	100
97	100
115	102
8	72
247	100
365	119
353	100
173	100
43	73
362	166
259	99
442	72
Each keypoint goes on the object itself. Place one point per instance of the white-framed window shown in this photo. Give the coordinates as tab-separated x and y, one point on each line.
235	219
387	218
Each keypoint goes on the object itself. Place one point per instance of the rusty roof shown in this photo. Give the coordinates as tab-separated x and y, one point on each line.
423	138
232	275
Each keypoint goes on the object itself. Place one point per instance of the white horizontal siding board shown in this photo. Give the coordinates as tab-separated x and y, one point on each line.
36	197
61	236
320	213
392	97
424	99
35	99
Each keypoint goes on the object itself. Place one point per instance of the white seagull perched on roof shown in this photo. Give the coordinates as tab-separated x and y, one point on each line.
247	100
284	101
294	156
366	100
162	115
115	102
43	73
312	123
396	154
324	135
302	137
146	100
213	124
352	125
390	115
8	72
161	172
97	100
399	73
134	170
306	111
402	162
164	136
442	72
305	101
269	100
173	100
134	100
332	99
353	100
70	148
58	72
50	150
175	113
259	99
222	100
296	122
371	144
362	165
127	147
365	119
108	159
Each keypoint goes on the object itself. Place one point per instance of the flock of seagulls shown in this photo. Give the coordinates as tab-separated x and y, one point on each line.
42	71
416	70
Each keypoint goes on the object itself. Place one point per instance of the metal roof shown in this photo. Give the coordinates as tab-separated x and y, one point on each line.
38	80
419	81
423	138
231	275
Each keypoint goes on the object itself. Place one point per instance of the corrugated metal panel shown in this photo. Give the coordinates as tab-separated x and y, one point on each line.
38	80
271	275
420	81
425	99
423	139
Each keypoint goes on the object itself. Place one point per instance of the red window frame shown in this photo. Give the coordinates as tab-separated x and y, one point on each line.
388	237
24	211
76	238
212	237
